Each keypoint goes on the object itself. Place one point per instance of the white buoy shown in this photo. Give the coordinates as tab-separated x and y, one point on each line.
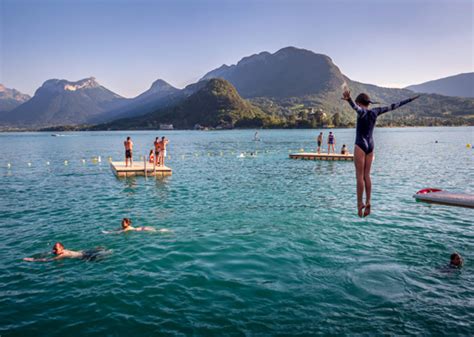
9	165
29	164
47	163
83	161
65	162
99	159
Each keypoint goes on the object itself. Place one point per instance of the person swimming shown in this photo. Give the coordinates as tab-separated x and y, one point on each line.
364	143
456	261
60	252
127	226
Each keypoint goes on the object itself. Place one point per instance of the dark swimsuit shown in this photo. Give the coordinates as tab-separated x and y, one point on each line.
366	119
128	154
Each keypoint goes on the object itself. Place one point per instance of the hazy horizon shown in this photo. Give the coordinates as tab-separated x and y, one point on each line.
128	45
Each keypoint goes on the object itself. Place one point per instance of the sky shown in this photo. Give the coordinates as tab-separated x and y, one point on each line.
127	45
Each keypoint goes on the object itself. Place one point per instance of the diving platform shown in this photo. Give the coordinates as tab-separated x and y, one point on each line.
139	169
322	156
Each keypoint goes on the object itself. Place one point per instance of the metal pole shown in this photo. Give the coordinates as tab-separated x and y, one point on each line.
144	165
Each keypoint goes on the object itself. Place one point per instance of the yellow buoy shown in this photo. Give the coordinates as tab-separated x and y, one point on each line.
468	145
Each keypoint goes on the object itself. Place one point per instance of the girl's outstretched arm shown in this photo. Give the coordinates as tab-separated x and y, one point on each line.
346	95
393	106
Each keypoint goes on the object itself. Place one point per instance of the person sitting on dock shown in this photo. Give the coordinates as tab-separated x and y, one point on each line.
128	151
320	142
151	157
164	143
157	145
331	143
456	261
344	150
60	252
364	144
127	226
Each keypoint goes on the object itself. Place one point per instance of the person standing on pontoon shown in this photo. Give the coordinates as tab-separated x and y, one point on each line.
320	142
157	145
164	142
331	143
128	151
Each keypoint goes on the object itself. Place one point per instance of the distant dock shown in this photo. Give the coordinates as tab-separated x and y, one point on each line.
322	156
139	169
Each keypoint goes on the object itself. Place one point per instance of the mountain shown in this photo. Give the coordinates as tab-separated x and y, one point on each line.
215	103
461	85
292	82
288	72
11	98
59	102
160	94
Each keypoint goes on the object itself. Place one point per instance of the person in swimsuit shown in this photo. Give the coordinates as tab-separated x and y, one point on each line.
320	142
331	143
157	145
151	157
364	144
128	151
60	252
344	149
164	142
127	226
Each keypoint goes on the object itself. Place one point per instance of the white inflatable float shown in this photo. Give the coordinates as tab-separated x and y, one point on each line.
437	196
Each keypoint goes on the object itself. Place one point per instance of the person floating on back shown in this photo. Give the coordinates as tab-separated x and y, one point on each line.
128	151
364	144
320	142
331	143
60	252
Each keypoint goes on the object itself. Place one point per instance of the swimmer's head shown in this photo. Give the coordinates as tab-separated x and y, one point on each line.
363	100
343	145
157	138
163	138
456	260
126	222
151	151
128	138
58	248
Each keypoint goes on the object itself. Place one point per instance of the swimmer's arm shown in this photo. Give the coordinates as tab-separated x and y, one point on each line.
393	106
46	259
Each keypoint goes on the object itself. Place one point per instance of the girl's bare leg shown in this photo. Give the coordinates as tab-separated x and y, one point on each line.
359	161
368	182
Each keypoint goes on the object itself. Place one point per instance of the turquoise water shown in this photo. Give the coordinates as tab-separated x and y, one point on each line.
258	246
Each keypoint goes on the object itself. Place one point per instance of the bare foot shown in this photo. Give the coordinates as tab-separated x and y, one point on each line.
360	209
367	210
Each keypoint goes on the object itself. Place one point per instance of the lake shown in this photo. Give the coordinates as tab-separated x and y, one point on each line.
258	246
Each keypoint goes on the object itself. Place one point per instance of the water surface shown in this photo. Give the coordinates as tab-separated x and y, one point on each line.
258	246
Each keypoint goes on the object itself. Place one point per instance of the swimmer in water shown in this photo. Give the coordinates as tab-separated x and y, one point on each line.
456	261
127	226
364	144
60	253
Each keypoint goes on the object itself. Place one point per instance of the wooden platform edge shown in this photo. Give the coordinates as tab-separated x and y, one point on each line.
324	157
161	172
